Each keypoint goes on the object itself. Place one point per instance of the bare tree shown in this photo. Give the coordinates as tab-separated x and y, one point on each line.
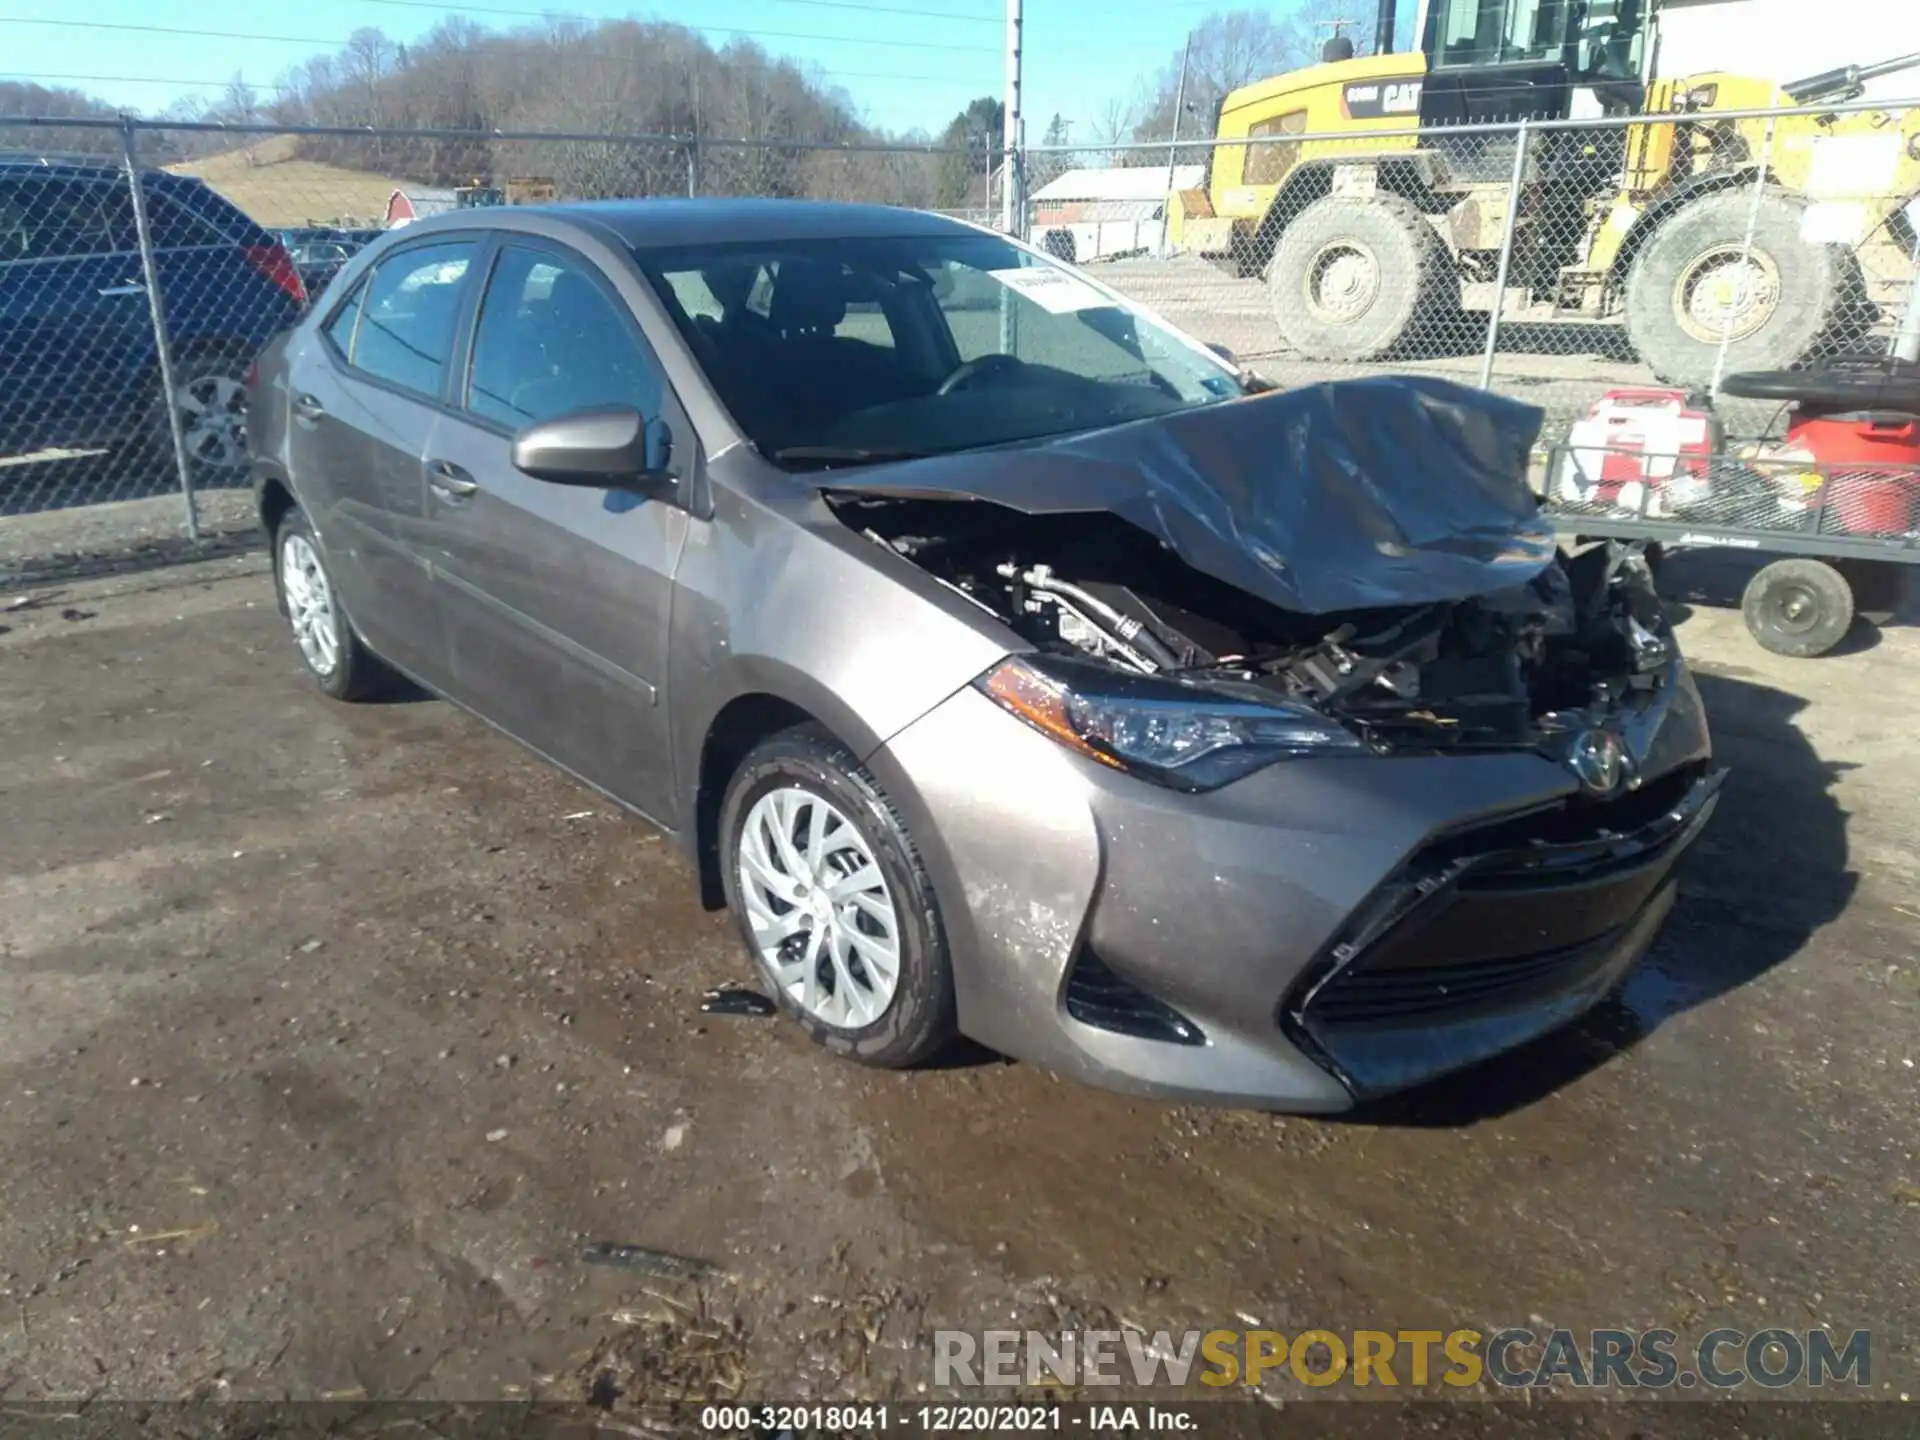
42	102
240	106
677	114
1227	50
1112	126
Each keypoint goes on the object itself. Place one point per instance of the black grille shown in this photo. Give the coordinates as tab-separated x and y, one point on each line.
1361	995
1505	913
1096	996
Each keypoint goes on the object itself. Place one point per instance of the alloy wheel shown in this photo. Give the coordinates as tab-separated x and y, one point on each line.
303	580
822	915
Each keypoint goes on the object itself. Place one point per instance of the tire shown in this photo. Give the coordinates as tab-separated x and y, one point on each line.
1799	608
1400	261
211	393
1679	342
333	656
806	767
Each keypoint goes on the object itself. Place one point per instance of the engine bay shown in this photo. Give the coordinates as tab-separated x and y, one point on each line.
1486	671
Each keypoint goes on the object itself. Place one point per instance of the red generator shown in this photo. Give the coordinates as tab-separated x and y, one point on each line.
1643	452
1858	432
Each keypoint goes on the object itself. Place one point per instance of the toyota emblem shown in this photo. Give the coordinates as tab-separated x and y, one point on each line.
1599	760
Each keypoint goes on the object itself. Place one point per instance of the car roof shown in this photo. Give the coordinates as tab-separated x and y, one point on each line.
66	166
668	223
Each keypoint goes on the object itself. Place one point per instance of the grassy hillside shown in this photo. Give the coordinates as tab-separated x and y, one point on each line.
278	189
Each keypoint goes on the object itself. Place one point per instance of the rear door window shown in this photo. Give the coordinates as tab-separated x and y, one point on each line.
58	219
175	225
407	316
339	329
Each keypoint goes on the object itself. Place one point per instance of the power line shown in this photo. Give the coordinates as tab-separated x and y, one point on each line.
170	30
313	40
42	76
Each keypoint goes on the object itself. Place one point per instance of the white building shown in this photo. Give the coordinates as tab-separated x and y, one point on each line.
1097	214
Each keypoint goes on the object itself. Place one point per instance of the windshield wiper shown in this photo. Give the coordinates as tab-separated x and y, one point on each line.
828	456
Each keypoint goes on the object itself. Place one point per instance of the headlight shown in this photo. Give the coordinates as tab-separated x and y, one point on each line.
1161	730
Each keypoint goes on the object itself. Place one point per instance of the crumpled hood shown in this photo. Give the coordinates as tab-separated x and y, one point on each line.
1346	495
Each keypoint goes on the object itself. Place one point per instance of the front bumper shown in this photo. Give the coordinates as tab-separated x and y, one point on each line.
1491	935
1310	935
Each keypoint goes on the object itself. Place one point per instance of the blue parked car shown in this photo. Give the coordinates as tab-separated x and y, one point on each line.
79	369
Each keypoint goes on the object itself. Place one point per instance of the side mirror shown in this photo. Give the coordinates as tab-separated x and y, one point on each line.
1255	383
612	448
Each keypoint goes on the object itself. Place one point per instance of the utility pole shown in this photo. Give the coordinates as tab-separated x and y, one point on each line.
1173	146
1010	199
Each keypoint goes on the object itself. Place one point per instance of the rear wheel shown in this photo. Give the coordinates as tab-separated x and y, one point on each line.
1800	608
210	397
334	656
1355	279
1696	281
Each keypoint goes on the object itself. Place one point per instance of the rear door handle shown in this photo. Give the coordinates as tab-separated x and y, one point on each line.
449	481
130	288
308	408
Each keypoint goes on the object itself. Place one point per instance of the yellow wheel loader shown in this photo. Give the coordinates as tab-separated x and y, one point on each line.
1374	244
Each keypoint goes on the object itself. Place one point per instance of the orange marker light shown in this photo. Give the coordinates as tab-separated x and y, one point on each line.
1042	703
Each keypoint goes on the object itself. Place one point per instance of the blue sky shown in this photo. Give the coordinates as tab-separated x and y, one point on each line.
1079	53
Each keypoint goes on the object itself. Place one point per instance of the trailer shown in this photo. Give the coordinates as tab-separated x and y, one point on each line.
1836	497
1845	535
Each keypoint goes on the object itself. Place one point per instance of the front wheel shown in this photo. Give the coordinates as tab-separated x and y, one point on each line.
834	903
1357	279
210	397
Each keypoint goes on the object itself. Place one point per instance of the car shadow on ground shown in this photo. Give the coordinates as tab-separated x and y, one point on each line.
399	690
1770	870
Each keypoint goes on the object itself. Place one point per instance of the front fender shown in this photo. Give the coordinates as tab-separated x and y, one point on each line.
775	597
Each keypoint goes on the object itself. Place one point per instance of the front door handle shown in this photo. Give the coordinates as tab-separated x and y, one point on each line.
308	408
449	481
130	288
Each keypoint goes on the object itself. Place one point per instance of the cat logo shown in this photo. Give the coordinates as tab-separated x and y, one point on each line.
1377	100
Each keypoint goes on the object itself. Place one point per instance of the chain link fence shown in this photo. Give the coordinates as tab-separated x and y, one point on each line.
142	266
1552	262
140	262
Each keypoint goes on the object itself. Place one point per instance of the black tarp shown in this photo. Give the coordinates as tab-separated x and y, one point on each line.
1398	490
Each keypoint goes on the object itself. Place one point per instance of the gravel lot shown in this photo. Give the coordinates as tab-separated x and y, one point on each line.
328	1033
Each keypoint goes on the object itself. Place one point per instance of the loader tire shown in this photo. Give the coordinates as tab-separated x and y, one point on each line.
1687	282
1358	279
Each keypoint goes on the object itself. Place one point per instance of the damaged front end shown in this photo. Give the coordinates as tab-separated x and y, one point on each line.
1355	566
1583	647
1355	570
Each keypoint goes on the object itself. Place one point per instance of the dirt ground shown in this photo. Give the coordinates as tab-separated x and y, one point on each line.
328	1034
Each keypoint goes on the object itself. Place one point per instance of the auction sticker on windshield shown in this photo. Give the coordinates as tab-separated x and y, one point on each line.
1053	290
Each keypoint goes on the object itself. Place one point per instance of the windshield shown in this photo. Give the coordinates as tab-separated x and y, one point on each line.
843	351
1598	38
